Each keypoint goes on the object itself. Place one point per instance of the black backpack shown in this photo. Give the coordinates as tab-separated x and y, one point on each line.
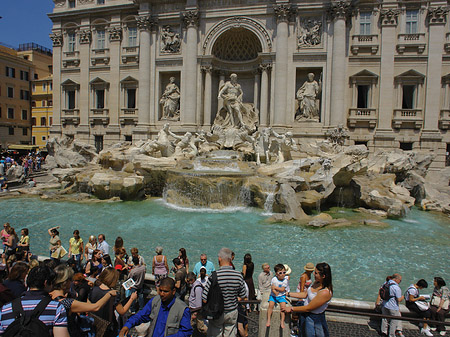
385	291
213	307
27	324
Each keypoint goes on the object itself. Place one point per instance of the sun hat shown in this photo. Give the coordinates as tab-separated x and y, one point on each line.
309	266
288	269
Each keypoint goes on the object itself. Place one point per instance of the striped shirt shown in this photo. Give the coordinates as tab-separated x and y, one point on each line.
232	285
54	314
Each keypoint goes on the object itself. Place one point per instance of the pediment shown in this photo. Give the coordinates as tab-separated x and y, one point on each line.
129	79
98	80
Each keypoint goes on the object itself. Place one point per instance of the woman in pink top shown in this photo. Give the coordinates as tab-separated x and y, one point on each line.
4	234
159	266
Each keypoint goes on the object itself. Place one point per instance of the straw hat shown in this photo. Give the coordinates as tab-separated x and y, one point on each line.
288	269
309	266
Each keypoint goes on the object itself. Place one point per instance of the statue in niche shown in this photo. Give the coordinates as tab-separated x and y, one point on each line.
308	100
309	33
282	145
235	116
162	143
170	101
171	41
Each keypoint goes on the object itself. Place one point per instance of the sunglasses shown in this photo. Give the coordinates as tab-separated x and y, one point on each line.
281	272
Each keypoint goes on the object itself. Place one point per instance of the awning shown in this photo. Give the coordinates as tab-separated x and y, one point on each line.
22	147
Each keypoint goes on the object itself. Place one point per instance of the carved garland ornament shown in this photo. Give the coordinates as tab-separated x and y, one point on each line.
85	36
339	10
237	22
82	2
57	39
191	18
115	34
59	3
389	16
437	15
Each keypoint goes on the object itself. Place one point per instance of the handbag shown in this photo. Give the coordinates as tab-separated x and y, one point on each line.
100	325
59	253
436	300
423	305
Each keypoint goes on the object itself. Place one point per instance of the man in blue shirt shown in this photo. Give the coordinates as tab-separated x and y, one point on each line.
168	316
391	307
204	263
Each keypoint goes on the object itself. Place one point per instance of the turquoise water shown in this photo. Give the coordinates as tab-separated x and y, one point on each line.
360	257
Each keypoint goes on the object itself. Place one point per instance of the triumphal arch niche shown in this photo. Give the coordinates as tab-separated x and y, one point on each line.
240	46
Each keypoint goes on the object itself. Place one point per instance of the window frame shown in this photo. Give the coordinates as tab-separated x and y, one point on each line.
365	23
412	21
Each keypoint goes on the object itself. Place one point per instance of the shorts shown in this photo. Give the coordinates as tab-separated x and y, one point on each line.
278	299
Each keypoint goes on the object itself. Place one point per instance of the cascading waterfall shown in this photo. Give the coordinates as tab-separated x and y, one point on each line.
268	204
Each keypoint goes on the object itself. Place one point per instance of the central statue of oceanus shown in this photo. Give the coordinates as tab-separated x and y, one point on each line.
235	117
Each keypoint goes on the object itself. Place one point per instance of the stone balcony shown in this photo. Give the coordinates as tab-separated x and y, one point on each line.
128	115
100	56
444	119
100	115
71	59
362	117
407	118
130	54
364	44
70	116
411	43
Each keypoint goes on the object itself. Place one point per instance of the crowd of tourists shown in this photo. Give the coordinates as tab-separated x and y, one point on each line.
32	162
94	289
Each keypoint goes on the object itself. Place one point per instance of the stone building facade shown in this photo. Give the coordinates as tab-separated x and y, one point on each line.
379	68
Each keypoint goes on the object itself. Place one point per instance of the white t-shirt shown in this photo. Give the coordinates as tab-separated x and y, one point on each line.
277	283
411	291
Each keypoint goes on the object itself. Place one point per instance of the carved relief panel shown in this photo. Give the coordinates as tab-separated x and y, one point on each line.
309	33
170	40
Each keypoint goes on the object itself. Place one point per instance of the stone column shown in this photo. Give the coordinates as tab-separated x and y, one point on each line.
282	13
57	39
388	23
191	18
115	38
207	96
436	32
256	87
85	37
264	111
339	12
144	25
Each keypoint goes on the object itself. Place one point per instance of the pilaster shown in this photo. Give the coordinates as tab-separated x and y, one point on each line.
282	14
85	37
338	13
265	94
144	24
57	39
115	38
207	69
191	21
388	23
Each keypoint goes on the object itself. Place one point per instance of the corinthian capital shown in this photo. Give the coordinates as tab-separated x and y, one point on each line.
389	17
57	39
437	15
282	12
144	22
191	18
85	36
339	10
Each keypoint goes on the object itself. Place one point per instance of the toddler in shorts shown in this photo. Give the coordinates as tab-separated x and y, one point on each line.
279	288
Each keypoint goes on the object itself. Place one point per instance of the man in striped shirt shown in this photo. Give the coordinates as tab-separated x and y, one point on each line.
39	281
231	284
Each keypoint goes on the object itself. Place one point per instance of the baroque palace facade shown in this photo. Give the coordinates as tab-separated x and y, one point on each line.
123	68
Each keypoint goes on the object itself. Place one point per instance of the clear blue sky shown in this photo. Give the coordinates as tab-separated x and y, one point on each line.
25	21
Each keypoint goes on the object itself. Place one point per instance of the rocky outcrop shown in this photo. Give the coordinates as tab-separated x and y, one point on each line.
378	191
105	185
65	153
286	206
